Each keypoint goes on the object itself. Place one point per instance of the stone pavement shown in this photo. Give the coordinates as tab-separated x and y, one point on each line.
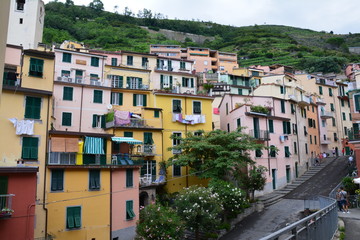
352	223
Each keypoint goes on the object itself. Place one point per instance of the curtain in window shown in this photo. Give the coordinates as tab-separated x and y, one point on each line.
94	145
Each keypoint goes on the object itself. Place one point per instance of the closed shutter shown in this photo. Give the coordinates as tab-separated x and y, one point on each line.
161	81
128	82
192	82
134	99
103	121
183	82
70	218
357	103
68	93
271	126
3	185
66	119
288	127
120	98
156	113
94	120
32	107
284	127
144	100
128	134
140	82
77	217
196	107
129	177
171	82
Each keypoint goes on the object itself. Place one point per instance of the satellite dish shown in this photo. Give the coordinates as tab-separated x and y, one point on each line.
109	106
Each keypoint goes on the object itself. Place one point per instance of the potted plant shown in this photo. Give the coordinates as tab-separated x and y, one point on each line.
6	212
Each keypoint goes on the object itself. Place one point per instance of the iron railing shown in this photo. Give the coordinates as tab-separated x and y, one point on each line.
6	205
320	225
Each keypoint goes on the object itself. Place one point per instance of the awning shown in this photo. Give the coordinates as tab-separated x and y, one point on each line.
64	144
128	140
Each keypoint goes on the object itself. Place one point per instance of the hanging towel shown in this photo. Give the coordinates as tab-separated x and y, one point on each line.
23	126
122	117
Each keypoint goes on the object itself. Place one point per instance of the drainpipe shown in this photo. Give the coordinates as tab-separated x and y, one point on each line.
45	167
27	221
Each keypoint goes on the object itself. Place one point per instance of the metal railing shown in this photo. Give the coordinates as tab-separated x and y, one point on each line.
259	134
136	123
320	225
6	205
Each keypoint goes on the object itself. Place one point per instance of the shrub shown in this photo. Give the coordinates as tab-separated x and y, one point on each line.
349	185
160	223
259	109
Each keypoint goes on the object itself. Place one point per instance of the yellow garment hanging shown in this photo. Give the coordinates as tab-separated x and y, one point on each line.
79	155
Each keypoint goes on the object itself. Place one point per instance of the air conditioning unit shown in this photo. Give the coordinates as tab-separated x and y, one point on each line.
97	83
59	78
165	67
69	79
79	80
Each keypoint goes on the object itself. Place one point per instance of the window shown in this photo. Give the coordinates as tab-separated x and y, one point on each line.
160	63
73	217
139	100
286	127
94	61
344	116
66	119
357	102
305	132
129	178
188	82
65	73
129	60
271	126
30	148
20	5
176	141
287	151
335	137
228	127
144	62
116	98
156	113
169	65
306	149
320	90
282	90
311	139
94	179
98	94
292	108
128	134
57	179
238	122
313	123
258	153
323	123
36	67
32	107
176	106
62	158
350	117
196	107
93	77
240	92
182	65
134	83
345	131
98	121
295	148
113	61
333	122
227	108
332	107
116	81
272	151
176	170
294	125
315	140
282	102
148	138
330	92
130	210
66	57
342	103
68	93
166	81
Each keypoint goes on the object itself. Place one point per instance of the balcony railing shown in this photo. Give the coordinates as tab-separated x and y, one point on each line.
326	82
325	141
149	179
353	135
144	149
6	205
11	82
326	115
260	134
304	100
136	123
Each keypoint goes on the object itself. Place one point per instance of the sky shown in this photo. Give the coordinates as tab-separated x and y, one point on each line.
339	16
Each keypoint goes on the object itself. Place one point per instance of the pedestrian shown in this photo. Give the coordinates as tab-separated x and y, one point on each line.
350	160
351	152
333	152
343	198
338	199
324	155
320	156
317	161
343	151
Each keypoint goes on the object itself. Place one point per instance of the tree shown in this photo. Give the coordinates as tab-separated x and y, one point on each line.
199	208
69	3
215	154
252	181
97	5
159	222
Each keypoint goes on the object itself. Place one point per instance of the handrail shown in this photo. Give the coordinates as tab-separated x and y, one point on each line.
319	225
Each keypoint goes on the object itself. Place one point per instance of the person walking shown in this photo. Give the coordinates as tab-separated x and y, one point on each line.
334	152
343	198
338	200
343	151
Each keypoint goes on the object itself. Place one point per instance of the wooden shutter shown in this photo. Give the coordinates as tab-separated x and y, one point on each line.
128	85
156	113
192	82
103	121
284	127
94	120
120	98
3	185
70	217
171	81
161	81
77	217
144	100
183	81
34	142
129	177
25	148
271	126
357	103
134	99
140	82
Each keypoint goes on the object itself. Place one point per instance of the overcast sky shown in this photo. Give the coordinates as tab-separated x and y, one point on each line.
339	16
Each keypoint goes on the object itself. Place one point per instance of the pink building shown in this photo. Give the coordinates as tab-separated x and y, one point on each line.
276	130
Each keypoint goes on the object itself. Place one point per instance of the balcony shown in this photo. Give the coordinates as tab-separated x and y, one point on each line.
262	135
164	68
326	115
354	135
152	180
138	86
6	210
136	123
326	82
325	141
69	79
144	150
304	101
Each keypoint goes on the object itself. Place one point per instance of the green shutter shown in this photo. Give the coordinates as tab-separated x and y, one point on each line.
134	99
94	179
57	179
148	138
120	98
70	218
238	122
128	134
284	127
3	186
282	102
77	217
103	121
113	61
171	82
68	93
94	120
161	81
320	90
144	100
98	96
32	107
357	102
129	177
94	61
128	85
140	82
129	210
288	127
66	119
183	82
30	148
192	82
196	107
271	126
330	92
156	113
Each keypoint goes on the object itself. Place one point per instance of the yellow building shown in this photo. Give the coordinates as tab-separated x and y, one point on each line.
182	113
27	101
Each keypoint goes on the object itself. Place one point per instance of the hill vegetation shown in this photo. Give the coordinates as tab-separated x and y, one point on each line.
255	45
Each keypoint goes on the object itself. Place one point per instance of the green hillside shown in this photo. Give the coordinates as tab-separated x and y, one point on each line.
260	44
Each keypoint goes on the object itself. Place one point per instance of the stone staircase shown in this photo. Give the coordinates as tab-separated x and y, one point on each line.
277	195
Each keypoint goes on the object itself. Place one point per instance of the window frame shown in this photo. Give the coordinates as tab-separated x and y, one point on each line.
68	93
95	176
129	178
57	180
196	109
179	108
76	223
95	62
66	57
33	110
31	151
68	117
116	98
36	67
130	214
97	94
